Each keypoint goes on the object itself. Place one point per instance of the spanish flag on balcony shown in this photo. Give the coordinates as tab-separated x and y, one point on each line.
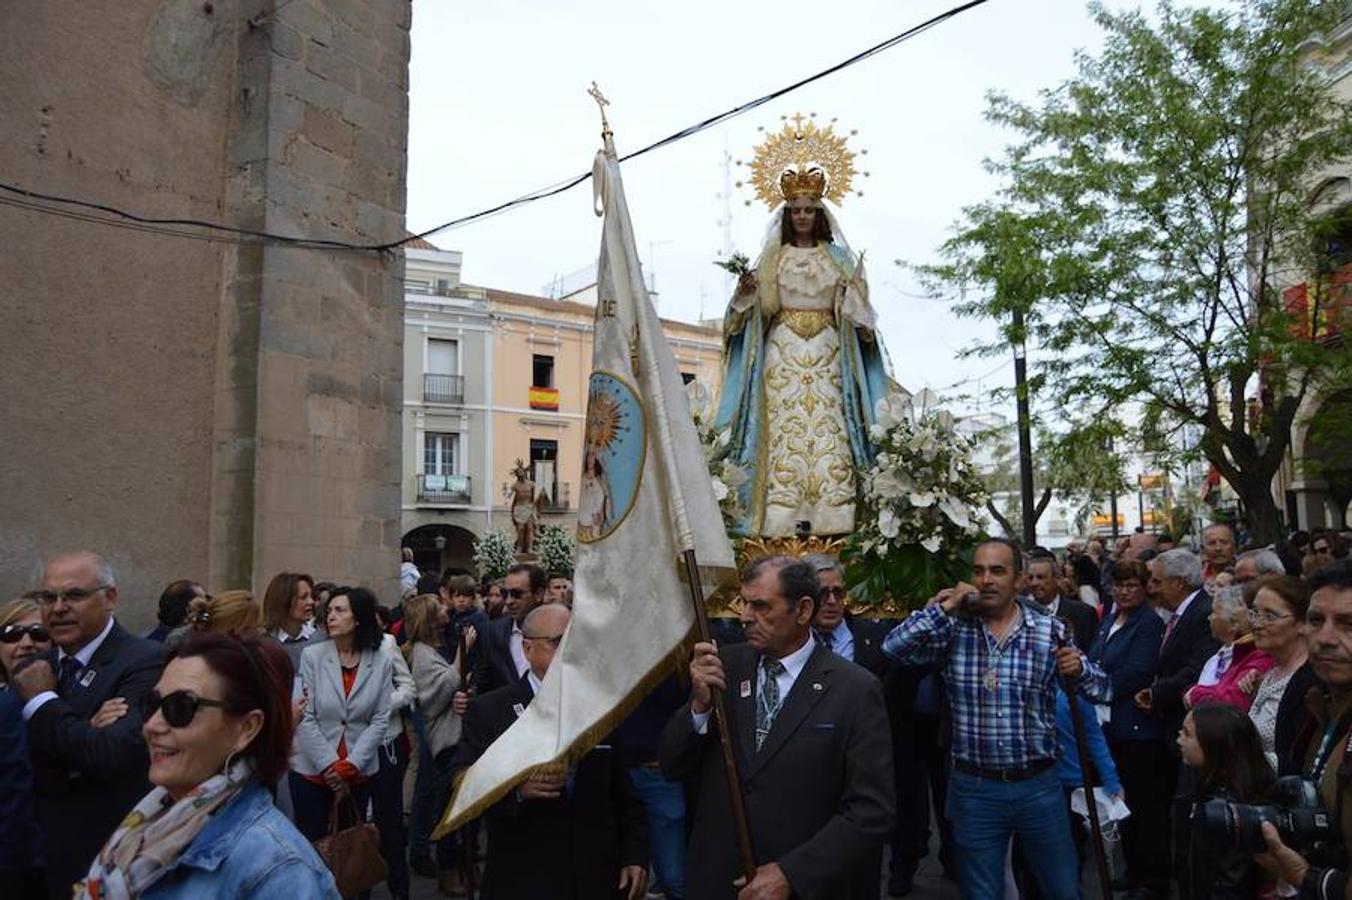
544	398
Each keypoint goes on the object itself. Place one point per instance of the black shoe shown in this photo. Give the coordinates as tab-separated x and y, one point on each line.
422	865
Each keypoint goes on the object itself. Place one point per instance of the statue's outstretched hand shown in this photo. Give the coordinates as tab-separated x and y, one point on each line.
746	284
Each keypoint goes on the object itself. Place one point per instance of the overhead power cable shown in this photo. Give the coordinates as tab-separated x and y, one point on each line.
173	226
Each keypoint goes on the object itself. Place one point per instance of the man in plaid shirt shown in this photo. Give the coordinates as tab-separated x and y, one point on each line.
1000	658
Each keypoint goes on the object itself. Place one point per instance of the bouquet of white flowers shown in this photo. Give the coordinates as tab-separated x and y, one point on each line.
919	524
494	554
556	548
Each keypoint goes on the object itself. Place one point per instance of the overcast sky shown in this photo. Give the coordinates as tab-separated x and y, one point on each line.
499	107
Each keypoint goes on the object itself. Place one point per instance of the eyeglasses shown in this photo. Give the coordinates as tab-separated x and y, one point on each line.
67	595
12	634
178	707
553	640
835	593
1262	616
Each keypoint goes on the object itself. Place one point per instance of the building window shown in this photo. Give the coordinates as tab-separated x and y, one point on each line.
440	453
443	357
687	377
543	371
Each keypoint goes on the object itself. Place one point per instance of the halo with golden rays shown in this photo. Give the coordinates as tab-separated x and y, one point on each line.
799	146
605	419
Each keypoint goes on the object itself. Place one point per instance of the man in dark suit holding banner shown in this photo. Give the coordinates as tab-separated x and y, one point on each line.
86	778
812	744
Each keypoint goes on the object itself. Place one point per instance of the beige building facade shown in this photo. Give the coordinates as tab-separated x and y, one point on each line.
524	362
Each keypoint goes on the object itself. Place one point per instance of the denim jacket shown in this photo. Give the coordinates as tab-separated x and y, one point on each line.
248	849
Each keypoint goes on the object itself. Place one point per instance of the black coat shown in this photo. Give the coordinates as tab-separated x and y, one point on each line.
497	668
1081	618
1182	657
18	816
87	778
819	792
1293	717
571	848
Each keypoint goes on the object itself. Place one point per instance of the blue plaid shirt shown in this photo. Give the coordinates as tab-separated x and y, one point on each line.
1003	695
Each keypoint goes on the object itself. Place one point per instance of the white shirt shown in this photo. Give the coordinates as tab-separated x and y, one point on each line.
535	683
83	656
1183	607
793	664
518	651
307	631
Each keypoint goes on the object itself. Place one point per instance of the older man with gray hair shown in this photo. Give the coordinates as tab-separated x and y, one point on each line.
1255	564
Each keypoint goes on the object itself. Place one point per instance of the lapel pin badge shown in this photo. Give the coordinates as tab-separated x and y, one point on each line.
816	685
87	678
518	709
745	688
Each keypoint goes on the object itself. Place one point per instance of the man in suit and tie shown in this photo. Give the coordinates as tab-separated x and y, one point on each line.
523	589
86	778
1176	587
1043	586
570	834
860	641
810	737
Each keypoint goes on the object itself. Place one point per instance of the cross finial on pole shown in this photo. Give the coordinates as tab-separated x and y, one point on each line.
601	104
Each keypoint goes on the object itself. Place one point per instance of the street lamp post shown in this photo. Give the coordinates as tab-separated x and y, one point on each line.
1025	432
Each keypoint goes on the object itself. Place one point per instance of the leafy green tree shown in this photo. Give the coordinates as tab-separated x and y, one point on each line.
1155	205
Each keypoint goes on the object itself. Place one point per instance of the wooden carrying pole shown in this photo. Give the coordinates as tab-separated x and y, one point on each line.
736	801
1091	802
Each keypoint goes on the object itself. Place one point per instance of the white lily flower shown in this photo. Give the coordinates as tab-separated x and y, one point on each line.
720	490
892	410
957	513
887	486
921	499
932	543
888	525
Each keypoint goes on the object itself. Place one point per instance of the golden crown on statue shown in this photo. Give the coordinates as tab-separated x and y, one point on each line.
803	159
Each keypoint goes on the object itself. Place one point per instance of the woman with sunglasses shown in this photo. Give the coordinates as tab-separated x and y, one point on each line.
22	635
218	727
348	682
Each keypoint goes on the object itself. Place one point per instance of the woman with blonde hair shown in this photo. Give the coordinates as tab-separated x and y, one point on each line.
229	612
22	635
425	620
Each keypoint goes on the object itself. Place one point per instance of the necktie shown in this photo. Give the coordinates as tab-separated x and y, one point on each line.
70	670
1168	631
828	638
768	699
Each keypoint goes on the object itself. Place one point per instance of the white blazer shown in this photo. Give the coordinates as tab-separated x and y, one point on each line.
359	718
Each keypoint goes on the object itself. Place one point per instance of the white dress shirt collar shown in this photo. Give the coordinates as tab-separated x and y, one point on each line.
86	653
535	683
794	662
1183	607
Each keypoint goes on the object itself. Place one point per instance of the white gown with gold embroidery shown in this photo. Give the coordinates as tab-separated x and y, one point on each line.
807	467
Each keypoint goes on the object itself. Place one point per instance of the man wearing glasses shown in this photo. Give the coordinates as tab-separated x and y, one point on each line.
523	589
577	832
86	778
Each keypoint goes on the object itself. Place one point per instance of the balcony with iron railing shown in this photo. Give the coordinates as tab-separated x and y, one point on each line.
444	489
443	388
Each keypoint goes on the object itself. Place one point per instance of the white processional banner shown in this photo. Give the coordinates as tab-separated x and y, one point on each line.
646	497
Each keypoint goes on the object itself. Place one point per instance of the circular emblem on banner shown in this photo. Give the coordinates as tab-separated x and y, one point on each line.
613	451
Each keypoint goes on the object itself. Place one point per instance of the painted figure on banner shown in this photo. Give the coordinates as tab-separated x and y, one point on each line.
525	506
614	447
803	366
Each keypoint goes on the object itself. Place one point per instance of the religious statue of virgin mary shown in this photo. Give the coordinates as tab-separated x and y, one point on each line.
803	367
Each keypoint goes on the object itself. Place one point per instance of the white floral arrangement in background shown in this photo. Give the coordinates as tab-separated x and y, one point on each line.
556	549
920	502
494	554
726	475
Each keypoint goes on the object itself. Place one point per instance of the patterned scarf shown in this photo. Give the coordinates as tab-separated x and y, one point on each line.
154	835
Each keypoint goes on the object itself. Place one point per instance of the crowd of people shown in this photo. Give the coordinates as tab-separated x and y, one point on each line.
1212	692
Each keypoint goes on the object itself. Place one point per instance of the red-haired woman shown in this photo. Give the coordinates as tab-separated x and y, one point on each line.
218	725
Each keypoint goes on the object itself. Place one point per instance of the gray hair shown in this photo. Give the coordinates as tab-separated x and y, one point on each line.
823	562
1230	606
1267	561
1180	563
102	570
